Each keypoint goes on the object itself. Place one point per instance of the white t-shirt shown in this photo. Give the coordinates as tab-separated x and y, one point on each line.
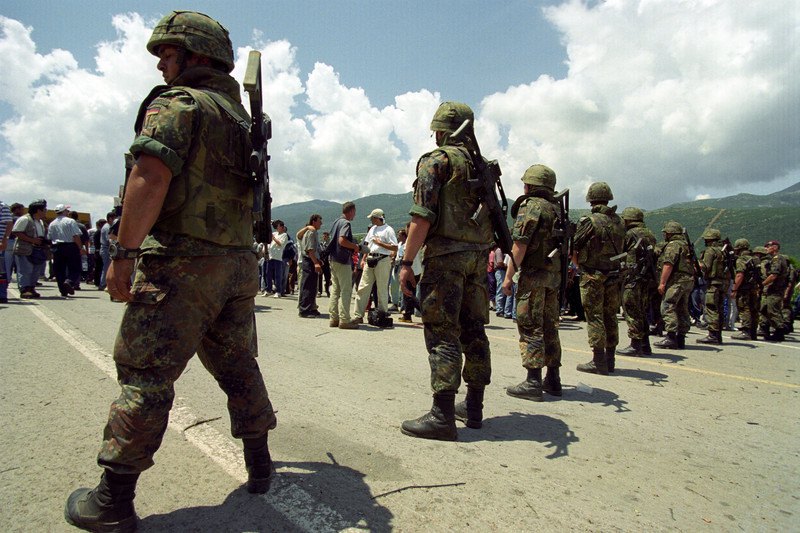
276	250
386	235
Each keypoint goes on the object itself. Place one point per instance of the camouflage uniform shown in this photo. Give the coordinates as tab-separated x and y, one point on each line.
747	291
196	277
788	315
715	271
773	296
599	237
675	301
639	281
454	296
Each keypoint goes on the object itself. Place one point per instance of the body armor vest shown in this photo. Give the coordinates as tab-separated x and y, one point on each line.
542	242
458	203
607	240
211	198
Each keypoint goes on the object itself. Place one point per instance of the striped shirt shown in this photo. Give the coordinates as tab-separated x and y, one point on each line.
5	218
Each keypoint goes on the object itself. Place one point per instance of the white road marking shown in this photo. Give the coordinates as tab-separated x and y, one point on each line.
295	504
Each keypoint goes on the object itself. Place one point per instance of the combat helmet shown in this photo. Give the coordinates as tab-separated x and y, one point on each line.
761	250
196	32
540	176
741	244
711	234
672	228
450	116
632	214
599	191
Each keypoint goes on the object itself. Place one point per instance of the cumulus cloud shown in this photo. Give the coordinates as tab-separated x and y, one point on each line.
666	100
663	99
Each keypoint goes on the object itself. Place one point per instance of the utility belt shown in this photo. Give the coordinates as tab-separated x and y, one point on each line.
373	259
610	273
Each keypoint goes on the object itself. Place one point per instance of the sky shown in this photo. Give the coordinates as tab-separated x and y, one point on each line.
666	100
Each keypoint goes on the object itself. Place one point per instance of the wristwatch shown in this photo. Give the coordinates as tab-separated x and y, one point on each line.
117	251
406	263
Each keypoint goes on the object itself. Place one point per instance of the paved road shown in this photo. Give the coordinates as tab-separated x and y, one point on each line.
700	440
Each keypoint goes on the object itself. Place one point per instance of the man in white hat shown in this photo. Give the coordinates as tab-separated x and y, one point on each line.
65	235
377	266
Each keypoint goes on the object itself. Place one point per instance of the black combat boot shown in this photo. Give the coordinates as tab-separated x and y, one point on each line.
439	423
669	342
470	411
530	389
552	381
260	470
611	362
646	349
713	337
597	365
778	336
743	335
681	339
107	507
635	349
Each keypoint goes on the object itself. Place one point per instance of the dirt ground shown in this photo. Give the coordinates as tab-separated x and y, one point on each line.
704	439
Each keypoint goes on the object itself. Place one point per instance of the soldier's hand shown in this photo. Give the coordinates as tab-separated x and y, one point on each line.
118	279
662	289
407	281
508	286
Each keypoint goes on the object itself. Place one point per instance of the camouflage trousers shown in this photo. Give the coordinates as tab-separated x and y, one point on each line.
600	295
715	306
636	301
747	304
454	300
675	307
771	311
184	305
537	323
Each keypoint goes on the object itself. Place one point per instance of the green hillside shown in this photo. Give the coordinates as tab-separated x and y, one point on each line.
758	218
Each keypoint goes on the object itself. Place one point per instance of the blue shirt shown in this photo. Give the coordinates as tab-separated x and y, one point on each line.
63	229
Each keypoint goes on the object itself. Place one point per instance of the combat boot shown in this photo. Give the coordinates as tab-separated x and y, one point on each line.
611	362
107	507
635	349
742	336
552	381
681	339
470	411
530	389
778	336
439	423
713	337
670	342
646	349
258	462
597	365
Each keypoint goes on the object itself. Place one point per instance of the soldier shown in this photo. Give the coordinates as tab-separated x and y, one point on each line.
675	285
773	293
788	314
600	237
454	298
537	287
640	281
745	289
196	275
715	271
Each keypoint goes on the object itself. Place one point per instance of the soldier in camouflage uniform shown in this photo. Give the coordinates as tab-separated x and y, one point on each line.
776	281
675	286
188	220
745	289
454	296
600	237
788	314
537	215
639	281
717	276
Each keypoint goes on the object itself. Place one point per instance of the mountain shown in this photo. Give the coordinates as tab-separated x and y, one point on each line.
758	218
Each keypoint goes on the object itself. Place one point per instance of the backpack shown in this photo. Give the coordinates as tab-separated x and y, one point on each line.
289	251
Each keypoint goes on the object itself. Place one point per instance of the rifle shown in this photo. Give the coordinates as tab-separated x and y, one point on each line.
730	258
698	270
645	265
260	133
488	185
563	231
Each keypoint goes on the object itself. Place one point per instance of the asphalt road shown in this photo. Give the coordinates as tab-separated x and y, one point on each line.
704	439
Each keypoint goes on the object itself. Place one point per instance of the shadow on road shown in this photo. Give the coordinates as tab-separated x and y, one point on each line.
553	432
310	496
606	398
656	379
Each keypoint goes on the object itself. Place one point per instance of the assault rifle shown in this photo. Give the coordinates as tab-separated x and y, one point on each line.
563	231
260	133
730	258
698	270
645	265
488	185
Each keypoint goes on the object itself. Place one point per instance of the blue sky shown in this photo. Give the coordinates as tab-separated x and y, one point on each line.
667	100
